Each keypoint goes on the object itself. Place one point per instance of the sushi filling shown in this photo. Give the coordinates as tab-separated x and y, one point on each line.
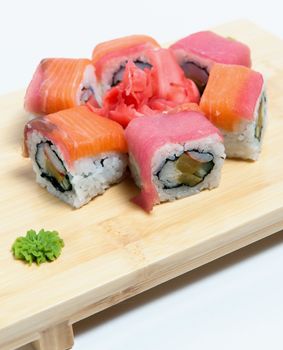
260	117
188	169
86	93
51	166
118	75
196	73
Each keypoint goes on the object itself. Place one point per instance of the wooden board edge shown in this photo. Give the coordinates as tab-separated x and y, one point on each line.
196	262
58	337
131	291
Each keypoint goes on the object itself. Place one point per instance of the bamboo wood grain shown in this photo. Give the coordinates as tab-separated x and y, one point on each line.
114	250
55	338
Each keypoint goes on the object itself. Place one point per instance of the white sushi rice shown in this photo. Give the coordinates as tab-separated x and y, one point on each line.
87	176
243	143
89	83
211	144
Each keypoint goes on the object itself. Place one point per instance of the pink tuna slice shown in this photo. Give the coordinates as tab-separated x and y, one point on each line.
208	47
145	135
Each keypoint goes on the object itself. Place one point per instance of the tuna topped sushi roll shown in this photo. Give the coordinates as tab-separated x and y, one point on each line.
234	100
173	156
110	58
197	52
73	160
60	83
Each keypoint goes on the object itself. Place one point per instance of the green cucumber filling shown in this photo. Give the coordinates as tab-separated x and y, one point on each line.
51	166
189	169
260	117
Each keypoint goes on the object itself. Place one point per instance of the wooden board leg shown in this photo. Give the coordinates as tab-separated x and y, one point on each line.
60	337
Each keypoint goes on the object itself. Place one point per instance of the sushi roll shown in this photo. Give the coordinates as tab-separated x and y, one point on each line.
110	58
76	161
60	83
197	52
173	156
234	100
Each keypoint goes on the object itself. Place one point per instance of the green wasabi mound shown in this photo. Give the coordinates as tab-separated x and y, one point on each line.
38	247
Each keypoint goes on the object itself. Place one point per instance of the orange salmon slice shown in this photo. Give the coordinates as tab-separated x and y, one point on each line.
58	84
78	133
231	95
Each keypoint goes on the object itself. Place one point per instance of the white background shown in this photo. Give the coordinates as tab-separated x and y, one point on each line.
233	303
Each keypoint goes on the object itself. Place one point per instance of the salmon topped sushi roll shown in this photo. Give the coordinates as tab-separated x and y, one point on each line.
234	100
197	52
110	58
173	156
73	160
60	83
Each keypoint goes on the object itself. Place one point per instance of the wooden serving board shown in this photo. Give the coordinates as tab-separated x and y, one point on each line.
113	250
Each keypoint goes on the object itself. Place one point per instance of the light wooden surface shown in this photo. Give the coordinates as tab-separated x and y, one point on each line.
113	249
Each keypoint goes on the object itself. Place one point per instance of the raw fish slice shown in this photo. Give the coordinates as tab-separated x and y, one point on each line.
76	154
59	84
231	95
234	100
149	139
197	53
90	136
